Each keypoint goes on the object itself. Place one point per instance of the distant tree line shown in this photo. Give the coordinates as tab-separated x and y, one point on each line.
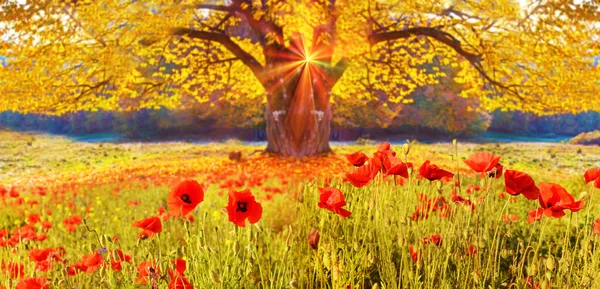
430	113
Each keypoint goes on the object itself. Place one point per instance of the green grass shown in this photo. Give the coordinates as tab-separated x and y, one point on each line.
367	250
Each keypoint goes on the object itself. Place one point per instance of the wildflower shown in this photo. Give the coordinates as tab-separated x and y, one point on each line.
433	172
362	176
483	162
395	166
521	183
92	262
14	270
496	171
115	265
46	225
185	197
414	254
510	218
313	239
435	239
122	256
72	223
471	188
382	154
460	200
597	226
471	250
242	205
593	175
150	226
357	159
332	199
33	218
147	269
178	280
554	199
33	283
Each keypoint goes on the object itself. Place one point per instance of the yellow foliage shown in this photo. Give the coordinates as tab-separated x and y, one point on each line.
66	56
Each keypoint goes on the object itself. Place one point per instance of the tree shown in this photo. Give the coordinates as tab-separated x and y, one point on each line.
296	56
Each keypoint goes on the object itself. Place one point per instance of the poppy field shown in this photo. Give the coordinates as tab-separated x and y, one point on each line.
372	215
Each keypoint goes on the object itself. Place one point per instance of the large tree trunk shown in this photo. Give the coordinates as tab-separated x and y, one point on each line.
314	139
298	113
298	84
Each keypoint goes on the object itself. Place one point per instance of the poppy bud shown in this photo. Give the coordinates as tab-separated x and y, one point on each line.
532	270
454	142
406	149
550	264
313	239
215	276
327	261
371	258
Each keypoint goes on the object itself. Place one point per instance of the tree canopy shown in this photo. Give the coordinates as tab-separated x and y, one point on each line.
65	56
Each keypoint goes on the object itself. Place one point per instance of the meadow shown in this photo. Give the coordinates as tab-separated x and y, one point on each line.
177	215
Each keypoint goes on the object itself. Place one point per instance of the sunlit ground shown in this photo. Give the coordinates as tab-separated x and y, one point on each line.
80	202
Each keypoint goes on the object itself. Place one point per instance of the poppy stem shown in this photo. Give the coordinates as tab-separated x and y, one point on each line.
587	215
539	244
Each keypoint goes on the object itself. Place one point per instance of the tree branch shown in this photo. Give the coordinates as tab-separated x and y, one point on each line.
449	40
338	70
261	26
222	8
224	40
439	35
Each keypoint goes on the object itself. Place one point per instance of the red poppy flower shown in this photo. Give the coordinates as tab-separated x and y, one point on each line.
362	176
383	152
33	218
45	258
115	265
147	269
72	223
482	162
180	266
92	262
554	199
332	199
185	197
471	250
434	239
313	239
357	159
122	256
74	269
46	225
33	283
433	172
384	147
150	226
510	218
395	166
14	270
178	280
593	175
242	205
414	254
496	171
597	226
521	183
460	200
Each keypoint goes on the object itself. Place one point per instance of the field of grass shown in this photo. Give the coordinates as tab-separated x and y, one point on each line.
80	202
